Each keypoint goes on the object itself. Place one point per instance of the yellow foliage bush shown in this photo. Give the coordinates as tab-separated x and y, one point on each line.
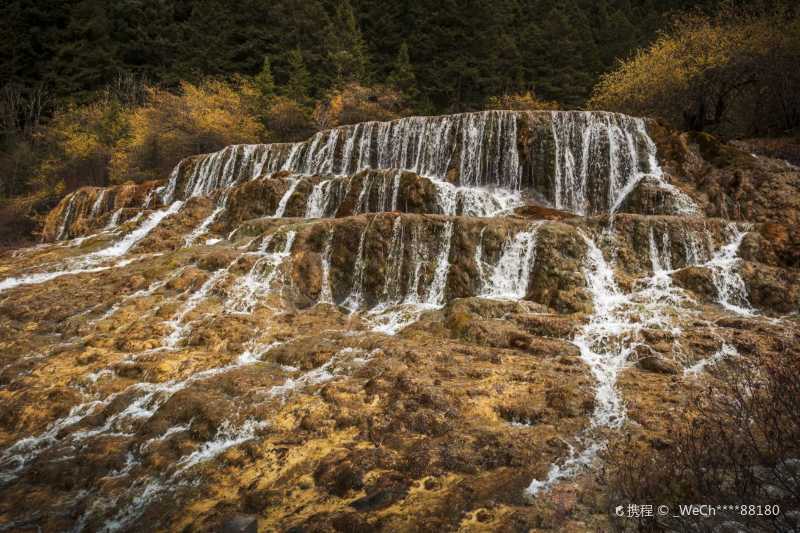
735	72
80	141
287	120
200	118
521	102
354	103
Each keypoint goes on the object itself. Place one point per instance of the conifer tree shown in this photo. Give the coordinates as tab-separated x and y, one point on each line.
349	54
402	76
88	59
299	83
265	83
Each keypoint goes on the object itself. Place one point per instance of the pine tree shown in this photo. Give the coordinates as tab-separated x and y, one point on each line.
264	81
299	83
349	54
88	59
402	76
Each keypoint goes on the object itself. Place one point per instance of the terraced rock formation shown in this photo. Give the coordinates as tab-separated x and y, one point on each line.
428	324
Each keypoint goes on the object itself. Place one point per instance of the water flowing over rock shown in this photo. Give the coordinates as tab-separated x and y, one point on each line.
355	331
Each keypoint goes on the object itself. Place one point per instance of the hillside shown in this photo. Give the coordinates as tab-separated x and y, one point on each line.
434	323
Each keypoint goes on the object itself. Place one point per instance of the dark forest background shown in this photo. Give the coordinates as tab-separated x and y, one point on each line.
461	51
98	92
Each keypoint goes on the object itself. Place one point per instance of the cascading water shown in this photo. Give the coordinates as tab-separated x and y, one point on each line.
356	297
450	176
325	293
97	261
509	280
247	291
731	290
318	199
608	341
597	155
293	183
202	229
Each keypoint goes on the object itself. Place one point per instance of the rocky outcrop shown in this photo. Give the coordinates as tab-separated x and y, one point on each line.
89	209
432	323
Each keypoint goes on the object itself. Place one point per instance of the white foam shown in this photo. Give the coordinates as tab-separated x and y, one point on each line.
731	290
509	279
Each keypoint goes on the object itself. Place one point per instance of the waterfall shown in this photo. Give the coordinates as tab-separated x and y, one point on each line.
473	201
392	286
396	311
489	149
454	178
479	261
356	298
202	229
509	279
395	189
318	199
113	222
64	228
597	159
92	261
589	146
731	290
605	346
412	294
325	293
385	186
694	252
293	183
179	327
247	290
438	284
129	241
726	351
97	206
604	357
660	256
604	361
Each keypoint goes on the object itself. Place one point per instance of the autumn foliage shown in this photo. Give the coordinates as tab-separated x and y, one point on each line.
526	101
739	444
735	73
197	119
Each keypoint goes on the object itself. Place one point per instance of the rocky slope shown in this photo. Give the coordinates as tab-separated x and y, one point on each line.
428	324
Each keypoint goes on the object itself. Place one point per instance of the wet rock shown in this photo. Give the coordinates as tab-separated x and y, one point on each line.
440	427
216	259
699	280
339	476
657	364
91	208
240	523
386	490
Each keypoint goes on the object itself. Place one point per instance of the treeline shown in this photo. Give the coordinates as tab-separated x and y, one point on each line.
99	92
461	52
134	131
91	86
734	73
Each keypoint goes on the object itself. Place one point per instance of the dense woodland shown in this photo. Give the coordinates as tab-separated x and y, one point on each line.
97	92
461	52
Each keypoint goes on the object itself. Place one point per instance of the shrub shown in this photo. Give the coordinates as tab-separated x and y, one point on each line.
200	118
79	143
734	73
740	444
354	103
287	120
19	161
520	102
21	216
